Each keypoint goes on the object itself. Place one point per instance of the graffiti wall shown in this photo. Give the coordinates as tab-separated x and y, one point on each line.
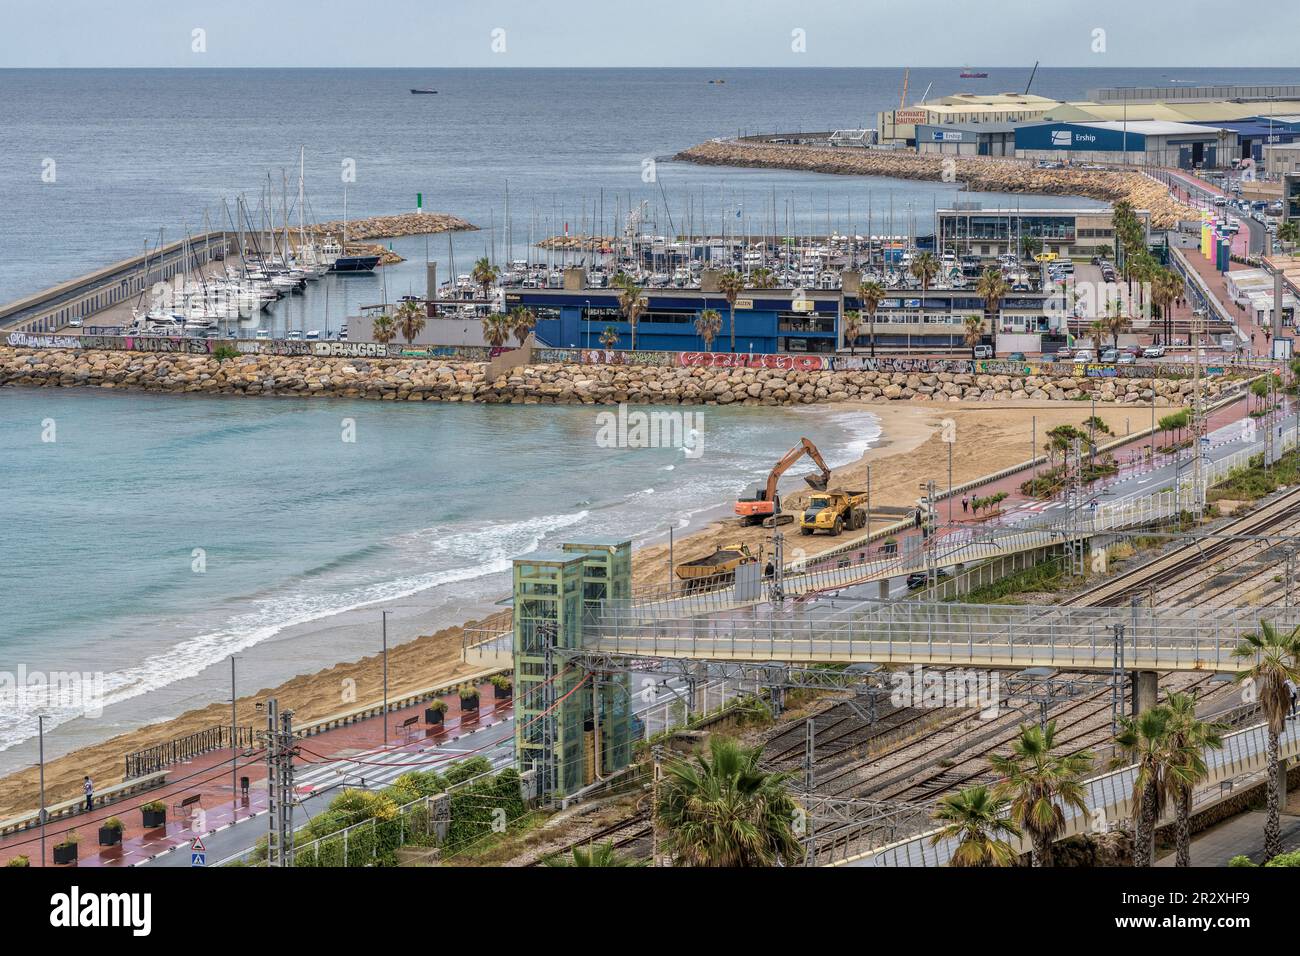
788	363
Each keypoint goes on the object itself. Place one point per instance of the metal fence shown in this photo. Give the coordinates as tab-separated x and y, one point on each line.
160	756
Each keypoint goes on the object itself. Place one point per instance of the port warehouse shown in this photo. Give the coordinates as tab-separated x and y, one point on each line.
1182	127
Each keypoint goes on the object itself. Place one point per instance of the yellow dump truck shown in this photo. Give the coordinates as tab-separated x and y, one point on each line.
834	511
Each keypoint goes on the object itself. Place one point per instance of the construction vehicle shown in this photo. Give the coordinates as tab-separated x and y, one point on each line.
764	504
717	568
834	511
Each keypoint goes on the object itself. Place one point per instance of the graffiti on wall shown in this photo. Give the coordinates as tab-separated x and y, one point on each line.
787	363
25	340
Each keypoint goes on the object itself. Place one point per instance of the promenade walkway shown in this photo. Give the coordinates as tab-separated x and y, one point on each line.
329	760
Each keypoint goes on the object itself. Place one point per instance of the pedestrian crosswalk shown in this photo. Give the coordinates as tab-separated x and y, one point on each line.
375	770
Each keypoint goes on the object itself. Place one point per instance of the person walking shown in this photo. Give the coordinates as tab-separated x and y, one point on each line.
88	786
1291	689
965	504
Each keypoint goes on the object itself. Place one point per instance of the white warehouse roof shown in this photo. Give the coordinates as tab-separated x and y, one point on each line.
1152	127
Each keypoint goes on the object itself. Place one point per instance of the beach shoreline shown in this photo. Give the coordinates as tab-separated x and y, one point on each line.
425	644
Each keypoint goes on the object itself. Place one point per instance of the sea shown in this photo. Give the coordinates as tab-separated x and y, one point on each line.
146	539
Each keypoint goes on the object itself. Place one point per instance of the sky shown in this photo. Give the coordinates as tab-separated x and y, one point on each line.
647	33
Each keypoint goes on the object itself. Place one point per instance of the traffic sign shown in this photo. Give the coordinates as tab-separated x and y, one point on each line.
198	853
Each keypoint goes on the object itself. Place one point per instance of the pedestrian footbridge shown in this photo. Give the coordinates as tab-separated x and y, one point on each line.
942	634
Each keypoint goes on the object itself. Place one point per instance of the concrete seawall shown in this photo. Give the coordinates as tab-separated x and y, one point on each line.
389	379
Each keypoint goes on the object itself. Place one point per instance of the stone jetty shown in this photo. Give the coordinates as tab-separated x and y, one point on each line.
457	381
978	173
392	227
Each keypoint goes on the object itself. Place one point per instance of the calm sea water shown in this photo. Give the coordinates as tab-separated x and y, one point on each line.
136	150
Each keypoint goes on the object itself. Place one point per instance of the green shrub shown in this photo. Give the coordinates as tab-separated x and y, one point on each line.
19	861
223	352
112	823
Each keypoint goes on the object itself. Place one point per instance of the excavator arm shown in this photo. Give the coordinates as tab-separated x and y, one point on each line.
805	447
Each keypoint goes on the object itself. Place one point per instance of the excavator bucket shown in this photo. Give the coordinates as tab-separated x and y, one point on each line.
817	481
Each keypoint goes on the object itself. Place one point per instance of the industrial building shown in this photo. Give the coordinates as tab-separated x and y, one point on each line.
1134	142
967	139
1246	118
1281	159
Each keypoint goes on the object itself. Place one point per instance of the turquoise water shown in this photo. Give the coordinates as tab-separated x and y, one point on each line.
304	536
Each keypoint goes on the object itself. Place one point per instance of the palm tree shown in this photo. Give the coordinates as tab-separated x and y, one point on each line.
630	301
485	274
1189	738
1117	323
762	278
522	321
1165	289
1276	660
1097	329
609	337
382	329
852	329
731	284
496	329
410	320
723	810
925	267
974	332
1289	233
992	288
980	819
872	294
1038	782
1145	740
594	854
707	326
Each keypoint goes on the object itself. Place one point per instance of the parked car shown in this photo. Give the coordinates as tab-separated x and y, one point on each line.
1153	351
983	351
917	579
1127	358
1083	355
1110	356
1016	357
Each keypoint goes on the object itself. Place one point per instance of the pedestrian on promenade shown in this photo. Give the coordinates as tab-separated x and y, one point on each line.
88	786
1291	689
965	504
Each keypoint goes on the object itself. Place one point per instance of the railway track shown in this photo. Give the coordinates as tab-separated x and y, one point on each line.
622	834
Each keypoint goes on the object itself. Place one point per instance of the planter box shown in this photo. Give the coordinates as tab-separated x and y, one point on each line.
109	836
502	693
432	716
153	819
65	854
469	703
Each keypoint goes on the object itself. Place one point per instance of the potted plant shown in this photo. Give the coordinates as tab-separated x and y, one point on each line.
66	852
155	814
468	697
19	861
433	714
110	833
503	687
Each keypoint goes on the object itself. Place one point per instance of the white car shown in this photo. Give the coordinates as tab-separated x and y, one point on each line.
1083	355
262	334
74	323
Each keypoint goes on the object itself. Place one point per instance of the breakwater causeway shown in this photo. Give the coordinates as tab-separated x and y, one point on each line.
443	380
980	174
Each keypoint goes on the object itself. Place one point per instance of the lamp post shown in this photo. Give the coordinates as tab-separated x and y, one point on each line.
383	631
40	735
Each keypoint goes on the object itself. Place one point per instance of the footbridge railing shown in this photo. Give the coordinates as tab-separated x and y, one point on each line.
990	635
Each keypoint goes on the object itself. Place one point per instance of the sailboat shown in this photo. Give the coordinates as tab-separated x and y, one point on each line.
336	253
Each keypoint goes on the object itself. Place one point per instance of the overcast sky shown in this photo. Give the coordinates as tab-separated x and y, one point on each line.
430	33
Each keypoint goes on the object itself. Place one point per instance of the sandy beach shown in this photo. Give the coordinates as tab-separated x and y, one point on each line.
989	437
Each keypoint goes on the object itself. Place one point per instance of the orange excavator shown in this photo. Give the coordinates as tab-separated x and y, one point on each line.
764	505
